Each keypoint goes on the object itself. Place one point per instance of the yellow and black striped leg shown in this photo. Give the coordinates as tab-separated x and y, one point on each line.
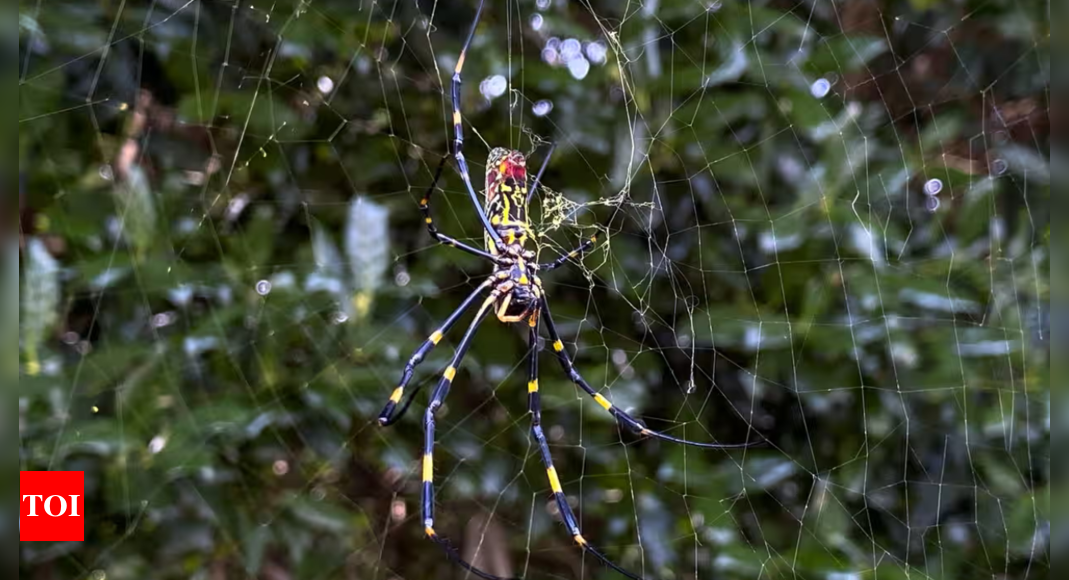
437	399
425	208
458	129
535	407
390	414
570	255
534	397
538	177
621	416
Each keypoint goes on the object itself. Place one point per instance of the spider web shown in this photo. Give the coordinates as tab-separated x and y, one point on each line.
824	230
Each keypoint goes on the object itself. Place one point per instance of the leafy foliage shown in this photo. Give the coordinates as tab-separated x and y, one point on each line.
223	269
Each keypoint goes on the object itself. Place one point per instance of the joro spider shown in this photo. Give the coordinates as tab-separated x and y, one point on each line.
516	295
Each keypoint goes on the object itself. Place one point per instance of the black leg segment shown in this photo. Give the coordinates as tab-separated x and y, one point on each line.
621	416
389	414
567	515
437	399
425	209
458	129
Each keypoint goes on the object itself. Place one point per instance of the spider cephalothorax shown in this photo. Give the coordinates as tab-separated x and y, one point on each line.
516	295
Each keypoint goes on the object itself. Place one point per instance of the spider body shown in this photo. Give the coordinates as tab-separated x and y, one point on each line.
506	205
516	295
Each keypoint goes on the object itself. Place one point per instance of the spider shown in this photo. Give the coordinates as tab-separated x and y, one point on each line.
516	296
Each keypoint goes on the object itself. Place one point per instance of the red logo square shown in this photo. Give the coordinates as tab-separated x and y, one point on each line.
53	506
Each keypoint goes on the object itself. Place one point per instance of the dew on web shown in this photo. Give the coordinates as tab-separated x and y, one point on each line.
493	87
597	52
570	50
999	167
821	88
325	85
542	108
933	187
579	67
550	55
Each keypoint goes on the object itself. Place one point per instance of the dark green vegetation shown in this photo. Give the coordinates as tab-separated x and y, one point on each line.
224	268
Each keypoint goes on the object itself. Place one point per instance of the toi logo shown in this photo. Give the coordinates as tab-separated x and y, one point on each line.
52	506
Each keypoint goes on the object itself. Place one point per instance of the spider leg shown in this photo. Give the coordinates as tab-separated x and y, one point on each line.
621	416
535	407
584	248
425	208
388	416
437	399
538	178
458	128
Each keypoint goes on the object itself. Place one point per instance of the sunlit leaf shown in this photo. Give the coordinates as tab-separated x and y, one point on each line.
40	301
136	209
367	246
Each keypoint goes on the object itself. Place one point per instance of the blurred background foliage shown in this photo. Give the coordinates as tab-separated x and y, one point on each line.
827	223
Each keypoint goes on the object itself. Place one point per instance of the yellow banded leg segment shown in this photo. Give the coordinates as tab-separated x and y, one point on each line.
428	468
532	387
554	480
622	417
390	412
605	404
565	510
429	422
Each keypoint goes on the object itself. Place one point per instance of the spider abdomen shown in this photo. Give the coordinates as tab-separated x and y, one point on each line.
506	200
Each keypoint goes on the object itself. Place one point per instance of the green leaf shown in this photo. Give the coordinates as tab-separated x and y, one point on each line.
367	245
40	301
254	541
136	207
